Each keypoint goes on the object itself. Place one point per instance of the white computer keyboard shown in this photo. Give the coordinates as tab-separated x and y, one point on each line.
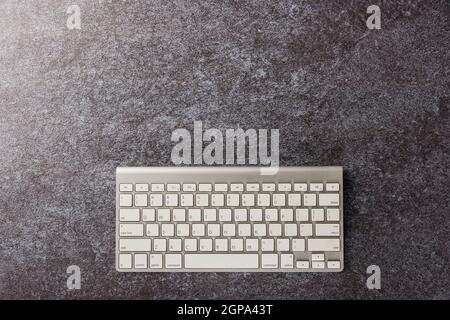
229	219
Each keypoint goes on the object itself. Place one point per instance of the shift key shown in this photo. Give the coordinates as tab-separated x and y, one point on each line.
324	244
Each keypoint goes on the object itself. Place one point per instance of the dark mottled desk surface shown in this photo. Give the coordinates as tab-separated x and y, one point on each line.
75	104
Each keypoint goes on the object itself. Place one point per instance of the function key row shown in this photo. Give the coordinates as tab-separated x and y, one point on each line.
224	187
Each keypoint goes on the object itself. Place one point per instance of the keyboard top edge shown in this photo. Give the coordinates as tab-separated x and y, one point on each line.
193	169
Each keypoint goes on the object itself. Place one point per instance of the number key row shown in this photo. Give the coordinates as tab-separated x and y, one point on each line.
229	200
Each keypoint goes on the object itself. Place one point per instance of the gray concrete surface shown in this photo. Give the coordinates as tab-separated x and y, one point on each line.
75	104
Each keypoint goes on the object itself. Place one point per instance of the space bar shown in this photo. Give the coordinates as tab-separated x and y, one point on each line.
221	261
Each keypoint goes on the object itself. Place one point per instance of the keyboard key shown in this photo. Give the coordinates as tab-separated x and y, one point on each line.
221	261
316	186
301	187
140	261
268	187
221	244
263	200
333	214
327	230
156	200
173	187
279	200
125	200
210	214
182	230
148	214
159	245
194	215
228	230
334	264
141	187
303	264
252	187
237	187
173	261
126	187
317	215
135	244
248	200
282	244
237	244
198	230
309	199
290	230
287	261
152	230
225	215
156	261
324	244
140	200
187	200
189	187
174	245
251	245
163	215
256	215
306	230
329	199
298	245
317	257
240	215
214	230
205	245
190	245
157	187
131	230
287	215
125	261
269	261
284	187
271	214
294	199
318	264
244	230
332	187
167	230
267	244
275	230
202	200
171	200
301	215
129	215
259	230
220	187
232	200
205	187
217	200
179	215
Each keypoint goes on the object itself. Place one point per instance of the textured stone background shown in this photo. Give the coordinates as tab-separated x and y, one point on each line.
76	104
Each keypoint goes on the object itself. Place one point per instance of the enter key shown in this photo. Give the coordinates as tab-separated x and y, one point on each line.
327	230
